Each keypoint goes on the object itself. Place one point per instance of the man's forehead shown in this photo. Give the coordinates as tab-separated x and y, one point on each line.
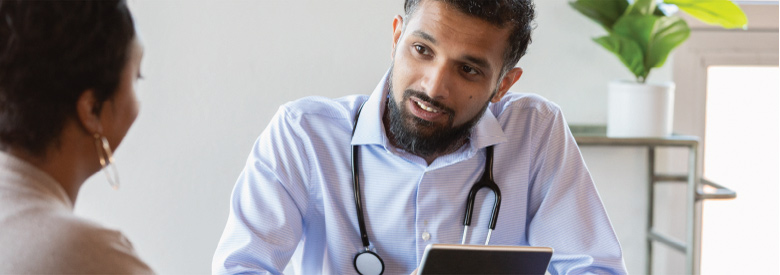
454	8
440	14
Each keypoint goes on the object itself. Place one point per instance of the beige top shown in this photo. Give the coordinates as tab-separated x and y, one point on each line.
39	234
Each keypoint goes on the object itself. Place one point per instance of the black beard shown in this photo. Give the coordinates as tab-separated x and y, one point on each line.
421	137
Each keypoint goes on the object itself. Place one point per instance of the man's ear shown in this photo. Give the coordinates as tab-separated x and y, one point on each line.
398	27
507	81
87	109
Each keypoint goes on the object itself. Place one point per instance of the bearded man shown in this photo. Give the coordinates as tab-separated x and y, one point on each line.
439	120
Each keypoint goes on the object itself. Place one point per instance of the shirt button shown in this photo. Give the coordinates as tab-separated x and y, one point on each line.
426	236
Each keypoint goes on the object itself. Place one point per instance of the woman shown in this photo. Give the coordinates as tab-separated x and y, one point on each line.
67	98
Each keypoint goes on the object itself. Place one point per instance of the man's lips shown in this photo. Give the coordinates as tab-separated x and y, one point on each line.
424	110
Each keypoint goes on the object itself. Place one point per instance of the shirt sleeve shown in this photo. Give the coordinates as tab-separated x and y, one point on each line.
267	205
565	210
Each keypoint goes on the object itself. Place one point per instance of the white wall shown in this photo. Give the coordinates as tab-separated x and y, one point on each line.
216	71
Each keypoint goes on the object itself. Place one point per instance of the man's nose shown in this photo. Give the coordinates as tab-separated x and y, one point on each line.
436	82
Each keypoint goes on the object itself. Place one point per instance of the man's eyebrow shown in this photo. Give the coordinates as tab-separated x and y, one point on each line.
425	36
480	62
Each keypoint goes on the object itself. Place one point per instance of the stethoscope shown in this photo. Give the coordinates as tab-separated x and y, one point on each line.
367	261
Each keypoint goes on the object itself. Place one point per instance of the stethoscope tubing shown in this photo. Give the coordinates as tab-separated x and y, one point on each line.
356	187
486	181
358	203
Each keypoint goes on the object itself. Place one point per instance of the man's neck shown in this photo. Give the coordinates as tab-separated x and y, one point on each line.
452	148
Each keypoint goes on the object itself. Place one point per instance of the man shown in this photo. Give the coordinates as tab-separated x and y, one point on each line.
420	140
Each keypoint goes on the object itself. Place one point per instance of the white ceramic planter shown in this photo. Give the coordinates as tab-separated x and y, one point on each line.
640	110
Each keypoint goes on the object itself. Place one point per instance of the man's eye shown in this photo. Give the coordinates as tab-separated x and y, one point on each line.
469	70
421	49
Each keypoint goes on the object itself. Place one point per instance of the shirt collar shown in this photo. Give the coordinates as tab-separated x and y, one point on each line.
487	131
370	130
24	175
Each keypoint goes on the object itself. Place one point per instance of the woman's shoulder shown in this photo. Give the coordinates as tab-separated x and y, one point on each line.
101	249
61	242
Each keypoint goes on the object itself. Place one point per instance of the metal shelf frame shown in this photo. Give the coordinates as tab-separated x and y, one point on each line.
691	247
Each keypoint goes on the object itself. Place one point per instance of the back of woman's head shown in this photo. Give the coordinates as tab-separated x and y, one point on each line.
50	53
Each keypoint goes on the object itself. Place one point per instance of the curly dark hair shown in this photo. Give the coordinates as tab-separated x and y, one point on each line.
50	53
517	14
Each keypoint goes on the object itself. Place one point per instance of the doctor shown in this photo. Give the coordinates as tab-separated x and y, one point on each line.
421	141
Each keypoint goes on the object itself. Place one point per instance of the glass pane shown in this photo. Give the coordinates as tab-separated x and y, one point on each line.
741	151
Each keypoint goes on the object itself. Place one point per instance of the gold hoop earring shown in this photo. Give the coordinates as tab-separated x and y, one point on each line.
107	159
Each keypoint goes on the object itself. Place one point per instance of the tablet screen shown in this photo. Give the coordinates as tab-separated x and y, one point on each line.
484	259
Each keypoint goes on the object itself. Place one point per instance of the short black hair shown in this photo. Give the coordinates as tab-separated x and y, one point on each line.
516	14
50	53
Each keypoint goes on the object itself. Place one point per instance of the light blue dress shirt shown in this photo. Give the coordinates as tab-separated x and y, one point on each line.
293	203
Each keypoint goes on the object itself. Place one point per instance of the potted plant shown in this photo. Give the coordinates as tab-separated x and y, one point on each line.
642	34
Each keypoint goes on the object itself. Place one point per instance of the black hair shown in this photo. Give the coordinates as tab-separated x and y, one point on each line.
516	14
50	53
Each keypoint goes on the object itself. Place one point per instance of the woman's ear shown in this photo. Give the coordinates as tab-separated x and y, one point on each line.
88	111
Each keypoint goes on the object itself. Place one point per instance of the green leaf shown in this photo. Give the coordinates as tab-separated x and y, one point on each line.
627	50
638	28
668	33
715	12
604	12
641	7
656	36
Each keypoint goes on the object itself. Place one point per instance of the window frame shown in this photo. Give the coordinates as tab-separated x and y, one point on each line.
712	46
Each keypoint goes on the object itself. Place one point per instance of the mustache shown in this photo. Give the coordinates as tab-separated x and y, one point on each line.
424	97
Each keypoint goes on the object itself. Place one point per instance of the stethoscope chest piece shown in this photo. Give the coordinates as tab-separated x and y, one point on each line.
369	263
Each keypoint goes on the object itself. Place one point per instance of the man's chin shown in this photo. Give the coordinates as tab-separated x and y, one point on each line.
424	128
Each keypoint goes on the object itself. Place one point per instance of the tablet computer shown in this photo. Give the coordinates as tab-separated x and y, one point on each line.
484	259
